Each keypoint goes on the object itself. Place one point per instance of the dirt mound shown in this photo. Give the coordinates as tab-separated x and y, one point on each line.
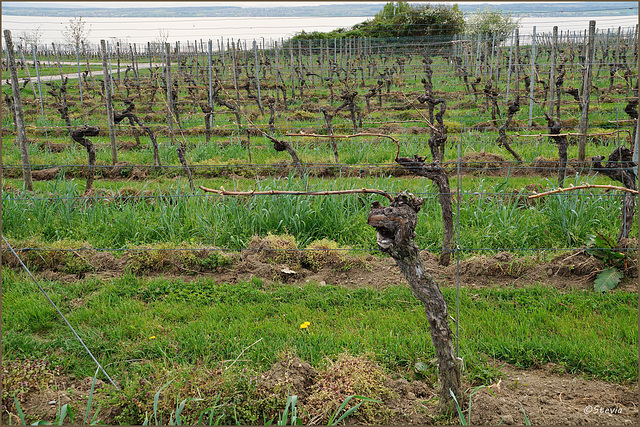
55	147
290	374
547	395
128	145
481	162
45	174
417	130
125	170
571	270
544	166
272	248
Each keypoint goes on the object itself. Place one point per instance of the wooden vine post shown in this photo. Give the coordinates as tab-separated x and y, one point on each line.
19	114
533	74
109	101
586	92
552	71
395	226
171	114
517	63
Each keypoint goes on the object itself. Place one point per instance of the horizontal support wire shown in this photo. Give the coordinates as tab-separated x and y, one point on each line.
123	197
372	249
486	165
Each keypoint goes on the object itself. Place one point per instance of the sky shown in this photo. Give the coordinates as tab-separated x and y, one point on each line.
143	4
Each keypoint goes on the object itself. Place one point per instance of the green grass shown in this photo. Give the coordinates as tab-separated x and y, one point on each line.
171	321
492	216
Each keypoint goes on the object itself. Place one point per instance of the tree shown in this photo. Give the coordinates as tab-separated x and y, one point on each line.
163	36
30	37
489	22
159	42
393	10
401	19
76	32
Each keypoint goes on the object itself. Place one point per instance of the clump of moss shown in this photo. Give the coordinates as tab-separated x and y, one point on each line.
59	255
350	375
324	253
277	249
184	258
304	116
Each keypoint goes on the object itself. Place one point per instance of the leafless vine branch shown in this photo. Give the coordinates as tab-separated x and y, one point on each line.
582	187
224	192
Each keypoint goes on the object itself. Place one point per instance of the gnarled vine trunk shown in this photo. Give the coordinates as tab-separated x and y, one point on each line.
619	167
563	143
80	136
395	226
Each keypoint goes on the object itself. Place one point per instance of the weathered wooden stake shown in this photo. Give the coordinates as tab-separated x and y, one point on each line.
171	114
509	69
55	51
118	63
24	61
35	61
19	114
234	60
533	74
79	73
586	93
552	71
109	62
109	101
517	56
210	118
255	51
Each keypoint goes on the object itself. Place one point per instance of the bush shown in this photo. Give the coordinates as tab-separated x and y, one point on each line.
489	22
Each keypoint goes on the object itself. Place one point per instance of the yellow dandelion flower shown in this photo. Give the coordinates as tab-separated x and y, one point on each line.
305	325
152	337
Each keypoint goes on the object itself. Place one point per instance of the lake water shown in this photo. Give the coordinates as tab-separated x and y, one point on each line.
263	30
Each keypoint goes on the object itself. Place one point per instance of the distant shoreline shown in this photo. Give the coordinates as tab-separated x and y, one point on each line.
540	9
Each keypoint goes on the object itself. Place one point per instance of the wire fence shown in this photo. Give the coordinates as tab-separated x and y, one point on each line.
212	95
199	88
